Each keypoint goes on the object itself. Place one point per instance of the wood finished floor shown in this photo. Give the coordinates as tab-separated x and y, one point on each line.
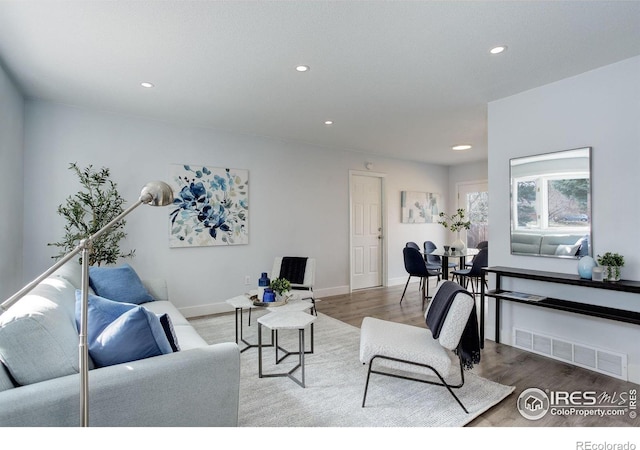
501	363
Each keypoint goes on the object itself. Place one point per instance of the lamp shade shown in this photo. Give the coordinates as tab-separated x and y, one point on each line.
156	193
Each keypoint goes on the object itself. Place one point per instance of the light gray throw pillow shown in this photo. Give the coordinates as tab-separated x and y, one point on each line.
38	337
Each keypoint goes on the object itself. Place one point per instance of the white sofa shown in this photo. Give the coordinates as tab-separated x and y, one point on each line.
39	382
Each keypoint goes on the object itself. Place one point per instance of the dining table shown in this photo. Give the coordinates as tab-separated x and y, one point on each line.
461	255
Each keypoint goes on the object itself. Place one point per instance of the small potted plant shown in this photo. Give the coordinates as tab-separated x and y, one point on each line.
611	263
280	286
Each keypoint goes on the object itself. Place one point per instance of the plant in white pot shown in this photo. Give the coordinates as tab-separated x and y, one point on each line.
455	222
611	263
281	287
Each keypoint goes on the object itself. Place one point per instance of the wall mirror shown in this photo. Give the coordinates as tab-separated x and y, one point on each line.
551	204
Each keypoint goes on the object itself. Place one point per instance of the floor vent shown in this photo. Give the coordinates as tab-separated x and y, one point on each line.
603	361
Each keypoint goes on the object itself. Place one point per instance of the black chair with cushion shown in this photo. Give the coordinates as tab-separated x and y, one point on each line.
474	274
429	266
416	266
480	246
424	354
412	245
434	261
300	271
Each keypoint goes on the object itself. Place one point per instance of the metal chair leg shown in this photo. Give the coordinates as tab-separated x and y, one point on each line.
405	288
425	295
443	383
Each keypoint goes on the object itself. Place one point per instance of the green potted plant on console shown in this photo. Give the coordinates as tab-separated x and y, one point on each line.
611	263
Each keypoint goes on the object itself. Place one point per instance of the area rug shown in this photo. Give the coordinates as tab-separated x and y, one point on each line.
335	381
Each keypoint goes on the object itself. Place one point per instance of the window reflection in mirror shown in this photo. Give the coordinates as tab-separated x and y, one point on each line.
551	204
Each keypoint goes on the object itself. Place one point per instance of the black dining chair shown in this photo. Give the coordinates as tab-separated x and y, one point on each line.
480	246
434	261
474	274
412	245
416	266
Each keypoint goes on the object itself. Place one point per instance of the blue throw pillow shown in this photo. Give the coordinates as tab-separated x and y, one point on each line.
120	284
121	332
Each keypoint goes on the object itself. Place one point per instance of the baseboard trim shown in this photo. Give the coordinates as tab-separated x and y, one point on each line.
399	281
205	310
330	292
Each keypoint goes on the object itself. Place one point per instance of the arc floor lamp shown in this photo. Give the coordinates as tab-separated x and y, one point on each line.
154	193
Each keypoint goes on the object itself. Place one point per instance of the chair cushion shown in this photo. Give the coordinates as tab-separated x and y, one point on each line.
402	341
456	319
309	272
120	284
120	332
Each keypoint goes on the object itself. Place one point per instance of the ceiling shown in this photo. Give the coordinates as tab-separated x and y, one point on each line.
405	79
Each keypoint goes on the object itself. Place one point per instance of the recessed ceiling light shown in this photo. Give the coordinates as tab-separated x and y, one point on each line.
461	147
499	49
302	68
328	122
146	84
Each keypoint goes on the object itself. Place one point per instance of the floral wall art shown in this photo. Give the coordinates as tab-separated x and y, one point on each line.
211	206
419	207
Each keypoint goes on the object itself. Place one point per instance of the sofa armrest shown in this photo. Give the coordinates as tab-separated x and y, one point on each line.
197	387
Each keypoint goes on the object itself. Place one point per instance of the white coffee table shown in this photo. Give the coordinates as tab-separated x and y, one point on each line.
243	302
285	320
240	303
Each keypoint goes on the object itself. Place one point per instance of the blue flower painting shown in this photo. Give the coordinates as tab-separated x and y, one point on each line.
211	206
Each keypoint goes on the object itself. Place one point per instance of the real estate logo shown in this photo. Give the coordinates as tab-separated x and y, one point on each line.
533	404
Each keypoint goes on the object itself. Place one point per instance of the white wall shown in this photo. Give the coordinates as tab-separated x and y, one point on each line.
298	199
600	109
11	200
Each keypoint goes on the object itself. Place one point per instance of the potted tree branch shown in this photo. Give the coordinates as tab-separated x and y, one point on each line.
87	211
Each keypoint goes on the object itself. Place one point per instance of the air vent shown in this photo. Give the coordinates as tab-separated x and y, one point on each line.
524	339
598	360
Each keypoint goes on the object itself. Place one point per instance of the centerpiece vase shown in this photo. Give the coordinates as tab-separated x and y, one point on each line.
458	244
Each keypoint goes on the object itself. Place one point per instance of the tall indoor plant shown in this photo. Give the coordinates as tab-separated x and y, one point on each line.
96	204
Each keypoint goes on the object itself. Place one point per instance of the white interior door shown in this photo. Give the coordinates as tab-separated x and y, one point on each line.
366	231
474	198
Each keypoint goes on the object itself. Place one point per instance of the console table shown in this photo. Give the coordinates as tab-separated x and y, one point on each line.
500	294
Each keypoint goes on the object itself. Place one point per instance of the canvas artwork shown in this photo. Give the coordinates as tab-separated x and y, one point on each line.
211	206
419	207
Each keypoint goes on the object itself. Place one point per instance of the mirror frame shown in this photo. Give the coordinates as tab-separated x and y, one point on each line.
531	243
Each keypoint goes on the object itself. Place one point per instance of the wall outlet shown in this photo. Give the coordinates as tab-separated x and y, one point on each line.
247	280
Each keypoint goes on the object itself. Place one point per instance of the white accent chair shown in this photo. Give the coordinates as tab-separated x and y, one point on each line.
304	289
410	352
